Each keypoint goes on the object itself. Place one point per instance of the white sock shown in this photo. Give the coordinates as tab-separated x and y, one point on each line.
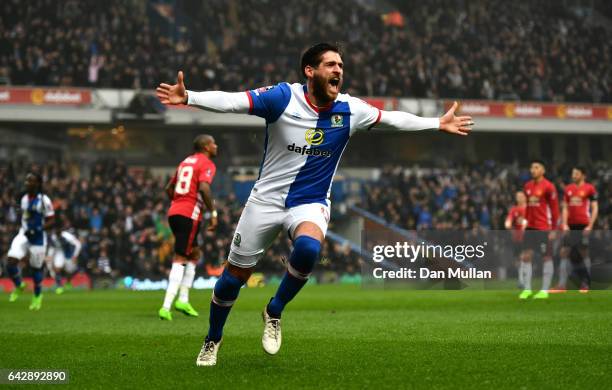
174	280
564	265
526	270
186	282
548	269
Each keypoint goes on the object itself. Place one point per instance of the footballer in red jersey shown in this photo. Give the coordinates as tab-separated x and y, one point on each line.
189	191
580	207
579	213
542	216
516	218
542	203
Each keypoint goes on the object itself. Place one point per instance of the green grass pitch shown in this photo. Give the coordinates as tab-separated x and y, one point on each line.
334	337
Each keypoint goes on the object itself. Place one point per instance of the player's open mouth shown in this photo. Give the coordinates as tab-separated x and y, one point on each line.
335	82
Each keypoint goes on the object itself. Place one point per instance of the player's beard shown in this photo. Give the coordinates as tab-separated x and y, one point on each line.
320	90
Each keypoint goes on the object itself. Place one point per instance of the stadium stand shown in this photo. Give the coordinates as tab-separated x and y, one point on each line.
494	50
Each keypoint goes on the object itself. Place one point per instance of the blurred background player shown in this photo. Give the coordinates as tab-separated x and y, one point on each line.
542	214
517	222
578	215
62	256
37	217
189	190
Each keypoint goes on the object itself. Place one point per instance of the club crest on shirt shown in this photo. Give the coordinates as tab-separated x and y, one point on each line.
337	121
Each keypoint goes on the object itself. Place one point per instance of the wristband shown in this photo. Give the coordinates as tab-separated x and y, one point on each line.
214	214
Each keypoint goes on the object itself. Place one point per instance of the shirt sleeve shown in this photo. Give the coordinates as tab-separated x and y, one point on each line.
207	173
594	196
48	207
218	101
403	121
367	117
364	115
269	102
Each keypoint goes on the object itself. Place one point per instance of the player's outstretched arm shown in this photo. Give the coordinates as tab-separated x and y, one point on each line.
216	101
448	123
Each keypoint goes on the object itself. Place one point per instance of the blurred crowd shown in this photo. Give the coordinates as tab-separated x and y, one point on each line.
119	214
489	49
470	196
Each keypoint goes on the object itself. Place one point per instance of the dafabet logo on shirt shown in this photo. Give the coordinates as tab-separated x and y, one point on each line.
313	137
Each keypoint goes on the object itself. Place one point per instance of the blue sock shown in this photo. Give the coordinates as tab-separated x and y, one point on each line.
301	262
13	271
225	293
37	275
58	279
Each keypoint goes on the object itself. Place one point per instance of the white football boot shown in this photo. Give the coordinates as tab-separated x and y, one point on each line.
271	339
208	353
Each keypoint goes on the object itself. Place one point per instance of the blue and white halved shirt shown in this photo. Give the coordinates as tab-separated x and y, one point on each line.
303	143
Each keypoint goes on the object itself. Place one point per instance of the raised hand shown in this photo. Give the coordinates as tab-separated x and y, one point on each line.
173	94
460	125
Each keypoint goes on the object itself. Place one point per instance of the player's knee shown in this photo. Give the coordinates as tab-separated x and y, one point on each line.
309	229
242	274
305	254
195	254
180	258
12	262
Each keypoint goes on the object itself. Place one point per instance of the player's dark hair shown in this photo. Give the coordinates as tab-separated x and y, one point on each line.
39	179
538	161
312	57
200	141
581	168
